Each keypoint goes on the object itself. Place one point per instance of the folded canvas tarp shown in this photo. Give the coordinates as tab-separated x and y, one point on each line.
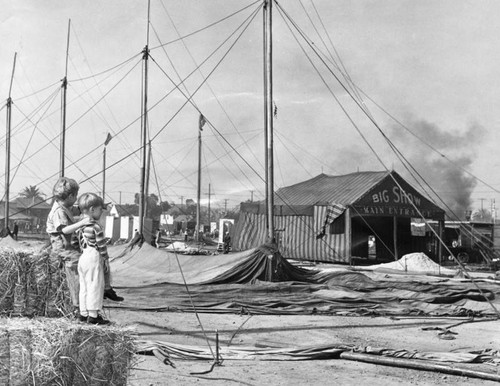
259	281
148	265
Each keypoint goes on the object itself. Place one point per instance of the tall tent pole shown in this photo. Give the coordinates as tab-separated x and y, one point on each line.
264	23
198	191
7	146
146	185
104	173
268	92
106	143
209	217
144	121
63	123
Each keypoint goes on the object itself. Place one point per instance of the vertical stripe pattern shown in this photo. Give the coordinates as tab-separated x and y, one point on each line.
297	236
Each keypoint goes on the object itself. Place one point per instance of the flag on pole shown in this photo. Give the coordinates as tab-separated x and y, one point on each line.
275	110
108	139
202	122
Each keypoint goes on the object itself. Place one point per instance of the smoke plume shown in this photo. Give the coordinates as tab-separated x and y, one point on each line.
445	170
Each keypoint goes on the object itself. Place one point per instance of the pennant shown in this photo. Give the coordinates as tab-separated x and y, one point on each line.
275	111
108	139
202	122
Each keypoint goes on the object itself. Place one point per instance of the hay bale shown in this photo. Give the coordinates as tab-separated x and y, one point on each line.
32	284
8	277
20	357
103	365
21	285
60	352
4	357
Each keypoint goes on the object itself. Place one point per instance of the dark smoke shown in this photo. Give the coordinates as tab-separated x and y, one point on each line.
449	180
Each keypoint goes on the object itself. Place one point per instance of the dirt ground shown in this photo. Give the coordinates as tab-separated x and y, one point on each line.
298	331
271	331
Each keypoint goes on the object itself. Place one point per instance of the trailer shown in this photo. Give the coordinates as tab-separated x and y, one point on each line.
470	242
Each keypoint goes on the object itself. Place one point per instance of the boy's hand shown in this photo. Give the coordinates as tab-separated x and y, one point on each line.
106	266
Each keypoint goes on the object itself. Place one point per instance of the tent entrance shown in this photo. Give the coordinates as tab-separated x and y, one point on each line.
373	238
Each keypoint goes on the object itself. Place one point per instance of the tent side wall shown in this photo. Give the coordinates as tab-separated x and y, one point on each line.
296	236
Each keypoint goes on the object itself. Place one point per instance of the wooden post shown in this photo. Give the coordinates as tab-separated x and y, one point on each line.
395	236
348	234
268	39
440	244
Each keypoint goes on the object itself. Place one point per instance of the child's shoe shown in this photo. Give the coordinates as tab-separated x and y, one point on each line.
111	295
76	312
99	320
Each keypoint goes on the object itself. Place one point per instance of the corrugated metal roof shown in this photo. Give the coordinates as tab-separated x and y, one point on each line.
325	189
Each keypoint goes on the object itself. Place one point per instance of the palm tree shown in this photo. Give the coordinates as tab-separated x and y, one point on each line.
32	192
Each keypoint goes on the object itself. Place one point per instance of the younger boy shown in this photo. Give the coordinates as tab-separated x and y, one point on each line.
94	260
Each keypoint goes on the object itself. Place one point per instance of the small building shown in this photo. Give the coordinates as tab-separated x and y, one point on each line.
366	215
30	213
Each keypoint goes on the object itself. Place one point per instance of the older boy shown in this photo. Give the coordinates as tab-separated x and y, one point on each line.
60	226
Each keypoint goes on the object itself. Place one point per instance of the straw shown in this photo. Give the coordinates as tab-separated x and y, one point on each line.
49	351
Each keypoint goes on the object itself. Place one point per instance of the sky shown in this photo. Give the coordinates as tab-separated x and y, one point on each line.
427	72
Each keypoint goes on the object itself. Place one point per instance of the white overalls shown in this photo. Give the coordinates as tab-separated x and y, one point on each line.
91	275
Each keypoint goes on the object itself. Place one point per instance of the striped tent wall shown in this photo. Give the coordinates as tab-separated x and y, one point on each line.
331	247
297	236
250	231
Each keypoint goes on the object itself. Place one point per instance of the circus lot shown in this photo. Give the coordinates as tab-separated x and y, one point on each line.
162	316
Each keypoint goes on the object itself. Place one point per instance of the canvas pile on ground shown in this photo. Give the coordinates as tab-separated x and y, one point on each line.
155	280
415	262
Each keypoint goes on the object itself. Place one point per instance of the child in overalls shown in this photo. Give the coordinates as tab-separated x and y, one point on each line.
94	261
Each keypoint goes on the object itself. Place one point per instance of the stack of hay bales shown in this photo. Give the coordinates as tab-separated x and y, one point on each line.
48	348
60	352
32	284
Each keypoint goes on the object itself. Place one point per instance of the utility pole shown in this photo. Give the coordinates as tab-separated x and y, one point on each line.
182	200
251	192
225	204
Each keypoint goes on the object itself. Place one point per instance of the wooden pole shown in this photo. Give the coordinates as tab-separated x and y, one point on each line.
419	365
266	168
7	146
198	191
63	123
348	234
269	118
144	125
395	236
209	217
